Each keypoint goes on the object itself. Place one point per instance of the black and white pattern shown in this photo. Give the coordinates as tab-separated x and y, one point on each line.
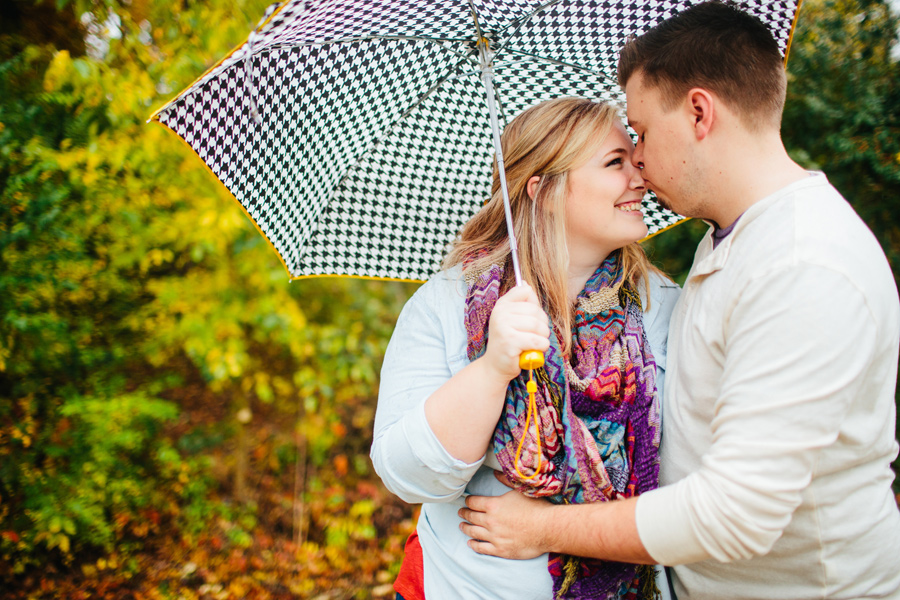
372	145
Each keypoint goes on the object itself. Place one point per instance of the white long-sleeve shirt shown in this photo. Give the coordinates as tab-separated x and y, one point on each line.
427	348
780	415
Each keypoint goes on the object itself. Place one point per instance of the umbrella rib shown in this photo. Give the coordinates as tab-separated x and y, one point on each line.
475	18
518	23
522	20
430	91
499	102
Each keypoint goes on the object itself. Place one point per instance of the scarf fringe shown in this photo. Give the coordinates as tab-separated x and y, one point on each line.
648	588
571	566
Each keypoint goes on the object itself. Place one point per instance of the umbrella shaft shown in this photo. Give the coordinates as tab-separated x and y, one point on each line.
487	75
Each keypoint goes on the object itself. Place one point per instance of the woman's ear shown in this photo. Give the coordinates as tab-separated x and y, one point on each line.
532	186
702	108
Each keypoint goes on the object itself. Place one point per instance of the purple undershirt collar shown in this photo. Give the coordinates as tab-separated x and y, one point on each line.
720	234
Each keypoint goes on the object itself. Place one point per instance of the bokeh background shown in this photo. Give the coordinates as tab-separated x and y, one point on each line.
176	419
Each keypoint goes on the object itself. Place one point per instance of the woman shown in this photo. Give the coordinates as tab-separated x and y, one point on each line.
453	404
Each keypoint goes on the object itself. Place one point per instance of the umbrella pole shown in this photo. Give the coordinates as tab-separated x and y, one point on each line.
487	76
531	359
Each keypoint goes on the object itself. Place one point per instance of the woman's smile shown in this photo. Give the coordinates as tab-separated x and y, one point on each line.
630	206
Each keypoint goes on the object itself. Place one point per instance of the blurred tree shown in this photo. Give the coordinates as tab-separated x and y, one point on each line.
843	107
121	259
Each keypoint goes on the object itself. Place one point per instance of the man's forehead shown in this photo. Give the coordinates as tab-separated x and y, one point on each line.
632	110
637	98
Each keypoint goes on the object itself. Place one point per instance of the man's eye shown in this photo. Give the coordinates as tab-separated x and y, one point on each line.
641	138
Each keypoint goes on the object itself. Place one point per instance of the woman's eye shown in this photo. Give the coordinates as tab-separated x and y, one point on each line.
615	161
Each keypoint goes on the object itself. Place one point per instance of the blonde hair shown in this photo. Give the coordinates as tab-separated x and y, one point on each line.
548	140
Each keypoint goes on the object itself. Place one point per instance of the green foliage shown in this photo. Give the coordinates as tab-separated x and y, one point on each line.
122	262
673	250
843	107
102	479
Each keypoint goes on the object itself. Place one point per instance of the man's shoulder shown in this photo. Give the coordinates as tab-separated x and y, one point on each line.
814	223
814	229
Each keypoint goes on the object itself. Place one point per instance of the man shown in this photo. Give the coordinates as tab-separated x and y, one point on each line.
779	403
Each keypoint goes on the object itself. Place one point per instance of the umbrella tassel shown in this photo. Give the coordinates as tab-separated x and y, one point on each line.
531	386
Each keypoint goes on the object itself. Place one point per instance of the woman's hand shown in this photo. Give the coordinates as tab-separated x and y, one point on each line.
518	323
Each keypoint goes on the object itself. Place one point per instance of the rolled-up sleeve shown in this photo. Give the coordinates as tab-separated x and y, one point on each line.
789	379
426	349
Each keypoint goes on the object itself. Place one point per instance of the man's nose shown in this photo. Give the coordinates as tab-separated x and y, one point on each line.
637	157
637	178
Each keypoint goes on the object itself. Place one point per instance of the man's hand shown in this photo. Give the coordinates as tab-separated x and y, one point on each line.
508	526
514	526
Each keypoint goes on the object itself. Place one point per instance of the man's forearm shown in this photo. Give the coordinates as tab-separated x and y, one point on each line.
513	526
604	530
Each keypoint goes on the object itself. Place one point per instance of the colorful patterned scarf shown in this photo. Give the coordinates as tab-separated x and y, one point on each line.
598	415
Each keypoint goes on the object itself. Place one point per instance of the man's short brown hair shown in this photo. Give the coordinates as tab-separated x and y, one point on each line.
718	47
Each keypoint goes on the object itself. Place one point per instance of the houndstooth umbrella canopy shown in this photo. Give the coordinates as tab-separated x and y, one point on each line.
372	146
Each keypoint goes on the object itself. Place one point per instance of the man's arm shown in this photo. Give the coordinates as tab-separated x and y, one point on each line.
793	369
514	526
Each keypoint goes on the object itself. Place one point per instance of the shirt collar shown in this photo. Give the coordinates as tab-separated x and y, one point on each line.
708	260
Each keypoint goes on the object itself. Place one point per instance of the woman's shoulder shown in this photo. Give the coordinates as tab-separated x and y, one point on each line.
447	285
663	294
442	296
662	289
438	309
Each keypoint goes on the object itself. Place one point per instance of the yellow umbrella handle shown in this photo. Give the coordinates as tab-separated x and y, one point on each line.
531	359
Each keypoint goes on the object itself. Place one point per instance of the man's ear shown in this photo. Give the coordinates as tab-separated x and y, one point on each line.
532	186
701	105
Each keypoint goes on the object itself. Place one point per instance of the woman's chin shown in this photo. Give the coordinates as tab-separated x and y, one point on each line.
640	231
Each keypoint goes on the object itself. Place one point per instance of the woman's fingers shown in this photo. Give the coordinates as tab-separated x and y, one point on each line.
523	293
518	324
519	315
528	316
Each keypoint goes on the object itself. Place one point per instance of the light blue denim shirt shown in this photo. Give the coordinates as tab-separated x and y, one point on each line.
427	348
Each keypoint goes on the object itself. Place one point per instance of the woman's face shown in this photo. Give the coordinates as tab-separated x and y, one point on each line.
603	211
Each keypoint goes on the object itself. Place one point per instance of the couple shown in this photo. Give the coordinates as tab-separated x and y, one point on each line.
776	390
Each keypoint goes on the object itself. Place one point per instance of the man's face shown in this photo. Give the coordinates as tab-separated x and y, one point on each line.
665	149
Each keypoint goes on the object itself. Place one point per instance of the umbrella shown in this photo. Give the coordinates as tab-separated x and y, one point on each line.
357	134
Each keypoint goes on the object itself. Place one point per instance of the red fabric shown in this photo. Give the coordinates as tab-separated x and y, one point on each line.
410	582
